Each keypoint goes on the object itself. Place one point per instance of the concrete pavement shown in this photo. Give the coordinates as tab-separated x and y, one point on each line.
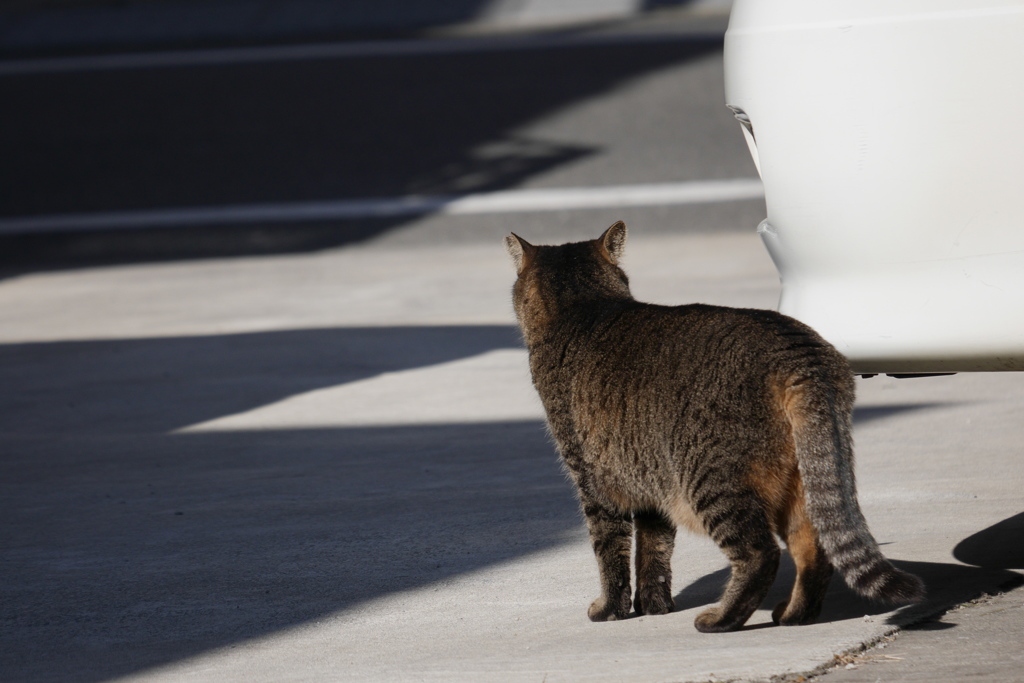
332	466
979	640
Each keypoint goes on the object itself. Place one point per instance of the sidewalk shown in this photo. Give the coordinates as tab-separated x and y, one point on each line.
332	466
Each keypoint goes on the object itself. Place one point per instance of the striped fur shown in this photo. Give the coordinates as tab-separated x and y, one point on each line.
822	429
731	422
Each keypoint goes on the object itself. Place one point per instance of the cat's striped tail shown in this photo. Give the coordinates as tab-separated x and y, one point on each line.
821	417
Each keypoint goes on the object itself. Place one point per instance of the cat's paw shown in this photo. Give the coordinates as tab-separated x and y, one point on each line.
654	599
779	611
714	621
604	609
783	616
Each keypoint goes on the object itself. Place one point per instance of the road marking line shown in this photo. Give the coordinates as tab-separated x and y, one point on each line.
505	201
291	53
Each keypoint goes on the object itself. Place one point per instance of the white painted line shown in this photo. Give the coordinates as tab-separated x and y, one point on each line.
694	192
291	53
506	201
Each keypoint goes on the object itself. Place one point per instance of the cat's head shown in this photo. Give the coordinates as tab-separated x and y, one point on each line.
550	275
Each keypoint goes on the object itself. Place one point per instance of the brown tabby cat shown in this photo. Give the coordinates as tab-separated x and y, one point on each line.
731	422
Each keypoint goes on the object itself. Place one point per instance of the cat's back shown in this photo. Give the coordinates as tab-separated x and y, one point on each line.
703	329
635	344
583	326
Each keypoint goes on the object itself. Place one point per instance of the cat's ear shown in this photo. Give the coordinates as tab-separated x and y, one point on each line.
521	251
613	242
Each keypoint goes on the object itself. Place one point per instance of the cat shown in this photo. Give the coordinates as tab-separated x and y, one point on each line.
731	422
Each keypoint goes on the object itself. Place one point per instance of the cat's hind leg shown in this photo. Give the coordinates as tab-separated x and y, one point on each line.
740	528
655	539
611	535
813	572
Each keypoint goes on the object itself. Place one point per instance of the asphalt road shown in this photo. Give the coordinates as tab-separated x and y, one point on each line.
635	103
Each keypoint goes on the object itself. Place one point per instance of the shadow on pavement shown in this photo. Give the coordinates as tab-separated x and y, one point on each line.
948	584
862	414
158	385
126	547
122	554
1000	546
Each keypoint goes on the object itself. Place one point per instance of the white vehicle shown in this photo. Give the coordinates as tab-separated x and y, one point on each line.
890	138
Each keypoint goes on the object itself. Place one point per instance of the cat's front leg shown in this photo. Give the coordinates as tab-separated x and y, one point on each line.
611	535
655	539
